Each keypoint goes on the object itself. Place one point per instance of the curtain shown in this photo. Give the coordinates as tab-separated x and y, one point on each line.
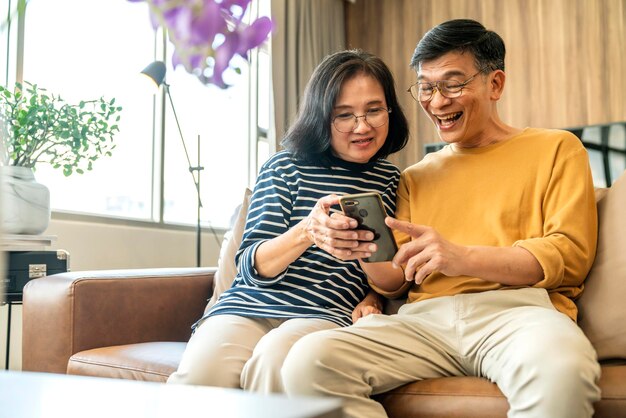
305	32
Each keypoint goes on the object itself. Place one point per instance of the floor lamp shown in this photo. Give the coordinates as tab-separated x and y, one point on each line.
156	72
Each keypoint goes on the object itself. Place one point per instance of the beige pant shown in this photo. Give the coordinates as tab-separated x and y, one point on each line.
239	352
538	357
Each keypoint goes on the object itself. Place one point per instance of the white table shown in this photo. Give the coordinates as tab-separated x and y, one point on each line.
42	395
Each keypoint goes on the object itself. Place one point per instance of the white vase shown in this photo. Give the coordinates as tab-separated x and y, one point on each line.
25	203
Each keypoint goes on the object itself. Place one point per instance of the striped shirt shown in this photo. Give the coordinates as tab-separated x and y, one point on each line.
316	285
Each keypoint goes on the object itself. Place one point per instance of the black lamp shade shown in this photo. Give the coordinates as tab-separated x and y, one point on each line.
156	72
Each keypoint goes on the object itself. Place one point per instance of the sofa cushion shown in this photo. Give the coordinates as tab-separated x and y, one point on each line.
475	397
446	397
150	362
226	268
602	311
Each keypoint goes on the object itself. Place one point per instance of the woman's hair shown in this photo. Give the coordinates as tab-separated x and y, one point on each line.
309	136
461	35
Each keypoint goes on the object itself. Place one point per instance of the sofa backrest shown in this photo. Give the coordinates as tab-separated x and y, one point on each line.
602	305
227	270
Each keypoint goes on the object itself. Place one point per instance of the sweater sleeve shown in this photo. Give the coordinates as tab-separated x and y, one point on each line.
403	209
567	248
402	212
268	217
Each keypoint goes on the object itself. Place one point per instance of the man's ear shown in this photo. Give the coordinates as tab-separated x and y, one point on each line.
497	79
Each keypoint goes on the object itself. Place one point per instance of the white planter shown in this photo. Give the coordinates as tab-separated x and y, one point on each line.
25	203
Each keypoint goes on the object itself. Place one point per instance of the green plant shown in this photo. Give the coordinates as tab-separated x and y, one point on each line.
43	128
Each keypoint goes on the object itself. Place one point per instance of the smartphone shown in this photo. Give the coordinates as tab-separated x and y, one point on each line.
368	210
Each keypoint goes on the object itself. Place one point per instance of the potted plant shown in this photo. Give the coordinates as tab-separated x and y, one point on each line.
39	128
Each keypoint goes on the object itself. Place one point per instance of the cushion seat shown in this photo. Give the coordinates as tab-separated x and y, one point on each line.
467	397
473	397
149	362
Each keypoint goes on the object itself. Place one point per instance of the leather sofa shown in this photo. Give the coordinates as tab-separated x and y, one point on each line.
133	324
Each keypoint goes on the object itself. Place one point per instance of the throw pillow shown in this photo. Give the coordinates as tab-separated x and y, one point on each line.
226	268
601	306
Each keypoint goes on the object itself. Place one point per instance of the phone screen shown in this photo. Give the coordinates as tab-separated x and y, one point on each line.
368	210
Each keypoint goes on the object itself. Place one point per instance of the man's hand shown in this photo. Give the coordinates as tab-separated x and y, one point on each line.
426	252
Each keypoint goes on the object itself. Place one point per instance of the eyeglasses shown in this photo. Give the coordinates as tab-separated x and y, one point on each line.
424	91
347	122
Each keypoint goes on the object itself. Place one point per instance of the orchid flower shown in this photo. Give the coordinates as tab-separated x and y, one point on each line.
207	34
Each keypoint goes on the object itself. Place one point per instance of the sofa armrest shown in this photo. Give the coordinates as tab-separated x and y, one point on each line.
70	312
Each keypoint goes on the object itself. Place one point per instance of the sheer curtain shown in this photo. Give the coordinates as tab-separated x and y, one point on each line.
306	31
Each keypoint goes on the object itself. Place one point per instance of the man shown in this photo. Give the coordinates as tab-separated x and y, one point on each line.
497	232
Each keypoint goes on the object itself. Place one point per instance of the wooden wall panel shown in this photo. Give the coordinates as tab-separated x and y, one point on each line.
565	64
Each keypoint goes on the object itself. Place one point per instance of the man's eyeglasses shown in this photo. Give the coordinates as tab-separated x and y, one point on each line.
375	117
423	91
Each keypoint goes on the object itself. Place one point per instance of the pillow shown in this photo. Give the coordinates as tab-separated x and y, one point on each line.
602	311
226	268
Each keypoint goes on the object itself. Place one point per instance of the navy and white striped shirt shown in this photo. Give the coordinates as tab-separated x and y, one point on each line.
316	284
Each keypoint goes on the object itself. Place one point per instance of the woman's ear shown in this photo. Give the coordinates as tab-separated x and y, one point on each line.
497	79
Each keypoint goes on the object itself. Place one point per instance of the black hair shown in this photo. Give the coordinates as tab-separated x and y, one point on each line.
461	35
309	136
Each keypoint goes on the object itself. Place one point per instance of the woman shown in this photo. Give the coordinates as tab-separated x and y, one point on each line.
289	283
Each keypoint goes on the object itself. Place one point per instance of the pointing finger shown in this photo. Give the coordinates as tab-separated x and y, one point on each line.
406	227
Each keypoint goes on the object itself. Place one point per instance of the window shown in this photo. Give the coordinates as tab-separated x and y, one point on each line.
221	119
85	58
101	54
8	32
606	145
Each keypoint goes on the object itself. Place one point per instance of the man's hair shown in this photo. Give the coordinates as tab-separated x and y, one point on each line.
461	35
309	136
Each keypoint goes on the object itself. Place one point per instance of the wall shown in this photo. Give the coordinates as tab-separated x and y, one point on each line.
97	246
113	245
565	65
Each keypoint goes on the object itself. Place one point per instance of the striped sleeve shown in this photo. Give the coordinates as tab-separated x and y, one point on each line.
268	217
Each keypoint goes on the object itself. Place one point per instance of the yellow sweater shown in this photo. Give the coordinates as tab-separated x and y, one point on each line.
533	190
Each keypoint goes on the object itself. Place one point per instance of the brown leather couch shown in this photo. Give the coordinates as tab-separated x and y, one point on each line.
133	324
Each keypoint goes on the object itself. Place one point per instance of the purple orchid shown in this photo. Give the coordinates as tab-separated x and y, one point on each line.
207	34
241	3
254	35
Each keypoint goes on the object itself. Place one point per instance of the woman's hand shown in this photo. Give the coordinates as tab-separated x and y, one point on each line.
371	304
335	233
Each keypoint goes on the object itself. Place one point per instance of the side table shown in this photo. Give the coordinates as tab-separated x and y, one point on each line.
26	259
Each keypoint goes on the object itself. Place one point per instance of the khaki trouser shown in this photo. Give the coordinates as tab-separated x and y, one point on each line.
538	357
239	352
